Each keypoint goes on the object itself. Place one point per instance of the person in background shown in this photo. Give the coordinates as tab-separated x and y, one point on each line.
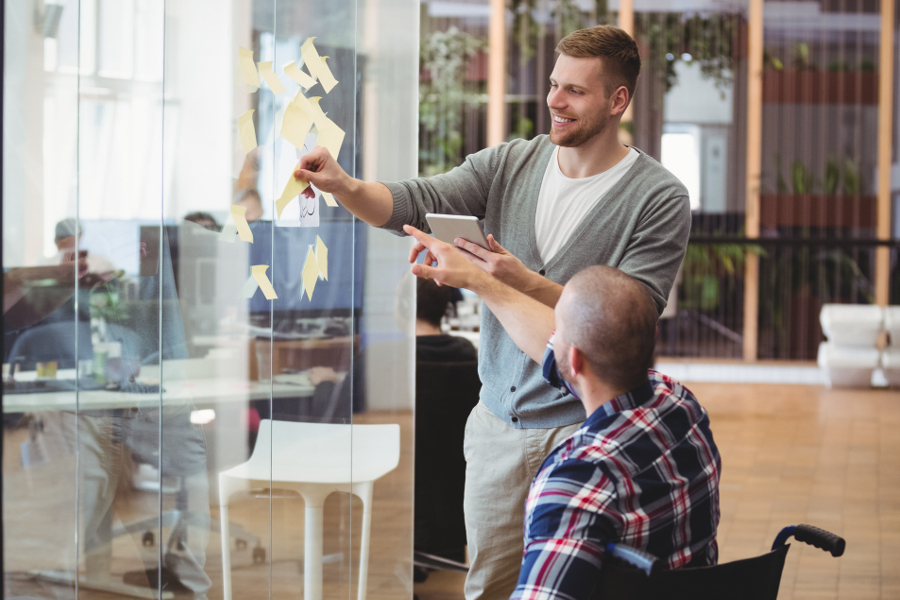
203	219
432	345
643	470
68	235
250	199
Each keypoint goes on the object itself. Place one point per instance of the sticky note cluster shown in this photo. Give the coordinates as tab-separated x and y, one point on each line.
316	267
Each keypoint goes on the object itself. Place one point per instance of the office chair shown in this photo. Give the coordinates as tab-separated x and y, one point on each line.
631	574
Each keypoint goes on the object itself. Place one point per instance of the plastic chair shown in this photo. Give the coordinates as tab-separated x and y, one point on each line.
633	574
314	460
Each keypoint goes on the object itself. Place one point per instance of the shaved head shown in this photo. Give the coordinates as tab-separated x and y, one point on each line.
611	318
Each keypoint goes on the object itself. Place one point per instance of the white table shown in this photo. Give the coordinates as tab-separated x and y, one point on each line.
175	392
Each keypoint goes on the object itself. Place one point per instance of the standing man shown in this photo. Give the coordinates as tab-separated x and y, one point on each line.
559	204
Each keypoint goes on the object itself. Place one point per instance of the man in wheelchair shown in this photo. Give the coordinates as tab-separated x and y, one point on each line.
643	470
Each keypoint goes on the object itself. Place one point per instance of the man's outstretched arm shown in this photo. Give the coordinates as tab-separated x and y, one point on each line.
371	202
527	321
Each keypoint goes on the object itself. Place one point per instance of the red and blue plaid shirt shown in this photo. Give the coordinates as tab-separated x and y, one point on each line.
643	471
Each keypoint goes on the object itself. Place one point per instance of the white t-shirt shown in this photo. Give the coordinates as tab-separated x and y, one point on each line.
563	203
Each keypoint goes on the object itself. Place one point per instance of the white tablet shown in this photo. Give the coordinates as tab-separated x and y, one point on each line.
449	227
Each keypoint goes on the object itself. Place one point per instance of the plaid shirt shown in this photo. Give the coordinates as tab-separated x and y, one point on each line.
643	471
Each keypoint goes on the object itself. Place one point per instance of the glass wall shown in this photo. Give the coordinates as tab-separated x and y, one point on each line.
208	388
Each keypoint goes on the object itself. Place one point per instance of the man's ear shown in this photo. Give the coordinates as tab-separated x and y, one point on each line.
576	360
620	100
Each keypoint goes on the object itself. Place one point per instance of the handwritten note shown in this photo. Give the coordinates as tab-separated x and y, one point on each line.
271	79
248	68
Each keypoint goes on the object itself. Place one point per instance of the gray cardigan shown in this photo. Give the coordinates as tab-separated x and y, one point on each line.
640	226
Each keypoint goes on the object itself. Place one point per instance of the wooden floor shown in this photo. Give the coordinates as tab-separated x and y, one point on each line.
791	454
800	454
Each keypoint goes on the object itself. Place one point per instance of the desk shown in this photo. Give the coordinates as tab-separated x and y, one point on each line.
196	391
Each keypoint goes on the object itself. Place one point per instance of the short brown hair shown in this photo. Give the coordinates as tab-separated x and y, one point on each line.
621	61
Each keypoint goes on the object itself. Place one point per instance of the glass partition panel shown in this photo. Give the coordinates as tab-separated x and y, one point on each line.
208	381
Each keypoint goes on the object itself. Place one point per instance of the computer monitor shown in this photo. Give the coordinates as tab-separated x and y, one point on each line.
341	295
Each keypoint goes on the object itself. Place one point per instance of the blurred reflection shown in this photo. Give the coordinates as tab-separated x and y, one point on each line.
128	434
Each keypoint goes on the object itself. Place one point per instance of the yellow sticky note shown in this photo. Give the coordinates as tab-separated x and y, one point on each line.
293	187
250	287
322	257
271	79
247	131
297	121
317	66
248	68
259	274
299	76
238	213
329	199
332	137
310	273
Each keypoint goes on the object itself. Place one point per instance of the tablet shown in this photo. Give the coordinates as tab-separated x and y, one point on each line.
449	227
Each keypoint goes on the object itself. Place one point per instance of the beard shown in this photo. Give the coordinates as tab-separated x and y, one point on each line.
586	130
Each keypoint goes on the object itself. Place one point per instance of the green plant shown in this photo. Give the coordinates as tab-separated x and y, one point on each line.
801	178
445	55
868	66
706	267
105	303
838	66
852	180
706	40
526	30
780	185
832	176
802	60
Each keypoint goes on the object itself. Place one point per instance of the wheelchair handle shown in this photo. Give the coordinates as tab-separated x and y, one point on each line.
820	539
644	561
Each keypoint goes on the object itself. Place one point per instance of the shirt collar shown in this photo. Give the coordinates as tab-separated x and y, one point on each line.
627	401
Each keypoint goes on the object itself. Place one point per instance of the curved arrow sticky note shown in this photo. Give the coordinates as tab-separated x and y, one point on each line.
248	68
247	131
238	214
250	287
259	274
293	187
299	76
271	79
322	257
317	66
310	273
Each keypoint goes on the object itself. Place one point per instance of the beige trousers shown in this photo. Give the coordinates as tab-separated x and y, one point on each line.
501	462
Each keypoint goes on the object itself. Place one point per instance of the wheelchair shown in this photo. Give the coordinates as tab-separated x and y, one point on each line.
633	574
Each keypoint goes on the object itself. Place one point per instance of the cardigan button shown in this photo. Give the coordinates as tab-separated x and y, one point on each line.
542	272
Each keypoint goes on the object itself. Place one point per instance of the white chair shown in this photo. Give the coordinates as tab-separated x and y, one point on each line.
313	460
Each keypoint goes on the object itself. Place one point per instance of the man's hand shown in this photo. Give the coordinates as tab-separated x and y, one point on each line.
498	262
447	264
319	168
